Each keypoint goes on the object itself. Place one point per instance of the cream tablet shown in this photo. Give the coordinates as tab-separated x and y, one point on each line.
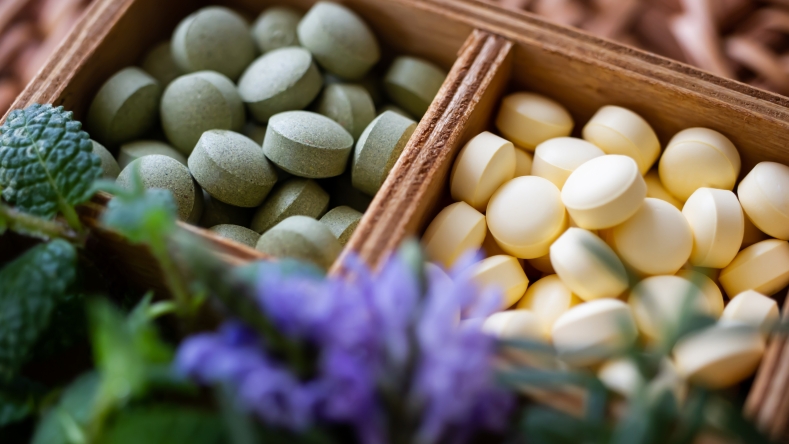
513	324
481	167
542	263
604	192
526	215
504	272
621	376
716	220
455	230
712	293
764	198
587	265
548	298
751	234
490	247
753	308
556	158
655	240
528	119
656	189
699	157
523	162
618	130
762	267
658	303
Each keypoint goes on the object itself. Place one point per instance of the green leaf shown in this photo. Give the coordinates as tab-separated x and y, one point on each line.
46	161
144	218
161	424
542	425
30	289
67	327
71	414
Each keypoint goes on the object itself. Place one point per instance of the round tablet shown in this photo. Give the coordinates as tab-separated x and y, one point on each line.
526	215
503	272
307	144
658	303
719	356
232	168
753	308
604	192
285	79
413	83
542	263
594	331
125	108
618	130
763	197
132	151
339	40
556	158
294	197
712	293
109	166
395	109
655	189
699	157
216	212
655	240
216	39
548	298
276	28
342	222
621	376
378	149
196	103
303	238
513	324
160	64
242	235
529	119
490	247
349	105
751	234
370	82
166	173
717	223
455	230
762	267
587	265
523	163
481	167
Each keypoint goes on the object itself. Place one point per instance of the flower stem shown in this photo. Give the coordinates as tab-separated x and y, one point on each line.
28	224
70	214
172	277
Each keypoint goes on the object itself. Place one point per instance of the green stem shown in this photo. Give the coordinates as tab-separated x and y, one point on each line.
35	226
70	214
172	277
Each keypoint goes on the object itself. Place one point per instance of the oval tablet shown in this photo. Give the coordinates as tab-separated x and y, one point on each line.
276	28
699	157
604	192
395	109
160	64
656	240
587	265
303	238
481	167
751	234
526	215
307	144
349	105
529	119
618	130
656	189
294	197
455	230
216	212
717	223
109	167
556	158
378	149
413	83
242	235
132	151
753	308
342	222
523	162
762	267
548	298
513	324
285	79
504	272
658	303
712	293
764	198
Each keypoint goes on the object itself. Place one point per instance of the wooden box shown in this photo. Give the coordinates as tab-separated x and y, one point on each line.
490	51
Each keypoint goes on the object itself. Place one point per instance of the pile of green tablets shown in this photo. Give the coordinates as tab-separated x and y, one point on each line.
275	134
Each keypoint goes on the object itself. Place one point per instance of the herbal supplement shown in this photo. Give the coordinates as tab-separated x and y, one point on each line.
656	189
604	192
548	298
307	144
481	167
242	235
523	163
349	105
719	356
370	82
658	302
763	197
157	171
339	40
716	220
556	158
216	39
109	166
412	83
216	212
762	267
196	103
587	265
301	237
125	108
455	230
343	193
542	263
285	79
395	109
753	308
751	234
591	332
160	64
712	294
504	272
378	149
699	157
513	324
132	151
655	240
342	222
526	215
276	28
294	197
618	130
529	119
255	132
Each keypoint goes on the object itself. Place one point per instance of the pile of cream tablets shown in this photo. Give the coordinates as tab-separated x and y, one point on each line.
622	239
274	134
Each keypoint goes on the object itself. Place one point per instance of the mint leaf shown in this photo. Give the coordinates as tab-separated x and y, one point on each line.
161	424
72	413
30	289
